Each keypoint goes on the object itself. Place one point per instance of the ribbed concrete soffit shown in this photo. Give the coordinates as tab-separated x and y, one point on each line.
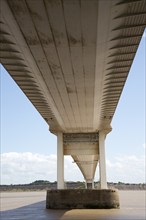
72	57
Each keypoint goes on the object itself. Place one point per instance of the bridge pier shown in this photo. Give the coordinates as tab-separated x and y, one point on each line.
82	199
102	159
60	162
82	146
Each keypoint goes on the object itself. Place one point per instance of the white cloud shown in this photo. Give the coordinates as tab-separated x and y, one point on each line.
129	169
27	167
18	168
144	34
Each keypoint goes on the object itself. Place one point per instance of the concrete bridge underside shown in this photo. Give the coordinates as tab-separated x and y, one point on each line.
71	58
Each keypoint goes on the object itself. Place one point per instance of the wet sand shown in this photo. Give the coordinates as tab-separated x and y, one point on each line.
31	206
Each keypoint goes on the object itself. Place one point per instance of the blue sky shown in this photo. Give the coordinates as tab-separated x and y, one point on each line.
25	135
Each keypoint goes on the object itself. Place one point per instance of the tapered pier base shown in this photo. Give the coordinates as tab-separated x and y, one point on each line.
82	199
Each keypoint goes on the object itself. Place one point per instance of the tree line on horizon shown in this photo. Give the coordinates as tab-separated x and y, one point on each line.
45	185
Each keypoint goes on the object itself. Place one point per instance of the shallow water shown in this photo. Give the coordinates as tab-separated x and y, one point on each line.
31	205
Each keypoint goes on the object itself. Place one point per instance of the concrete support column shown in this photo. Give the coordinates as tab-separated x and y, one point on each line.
102	163
90	184
60	162
85	184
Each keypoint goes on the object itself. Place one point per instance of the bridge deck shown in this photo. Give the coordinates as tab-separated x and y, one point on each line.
31	205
